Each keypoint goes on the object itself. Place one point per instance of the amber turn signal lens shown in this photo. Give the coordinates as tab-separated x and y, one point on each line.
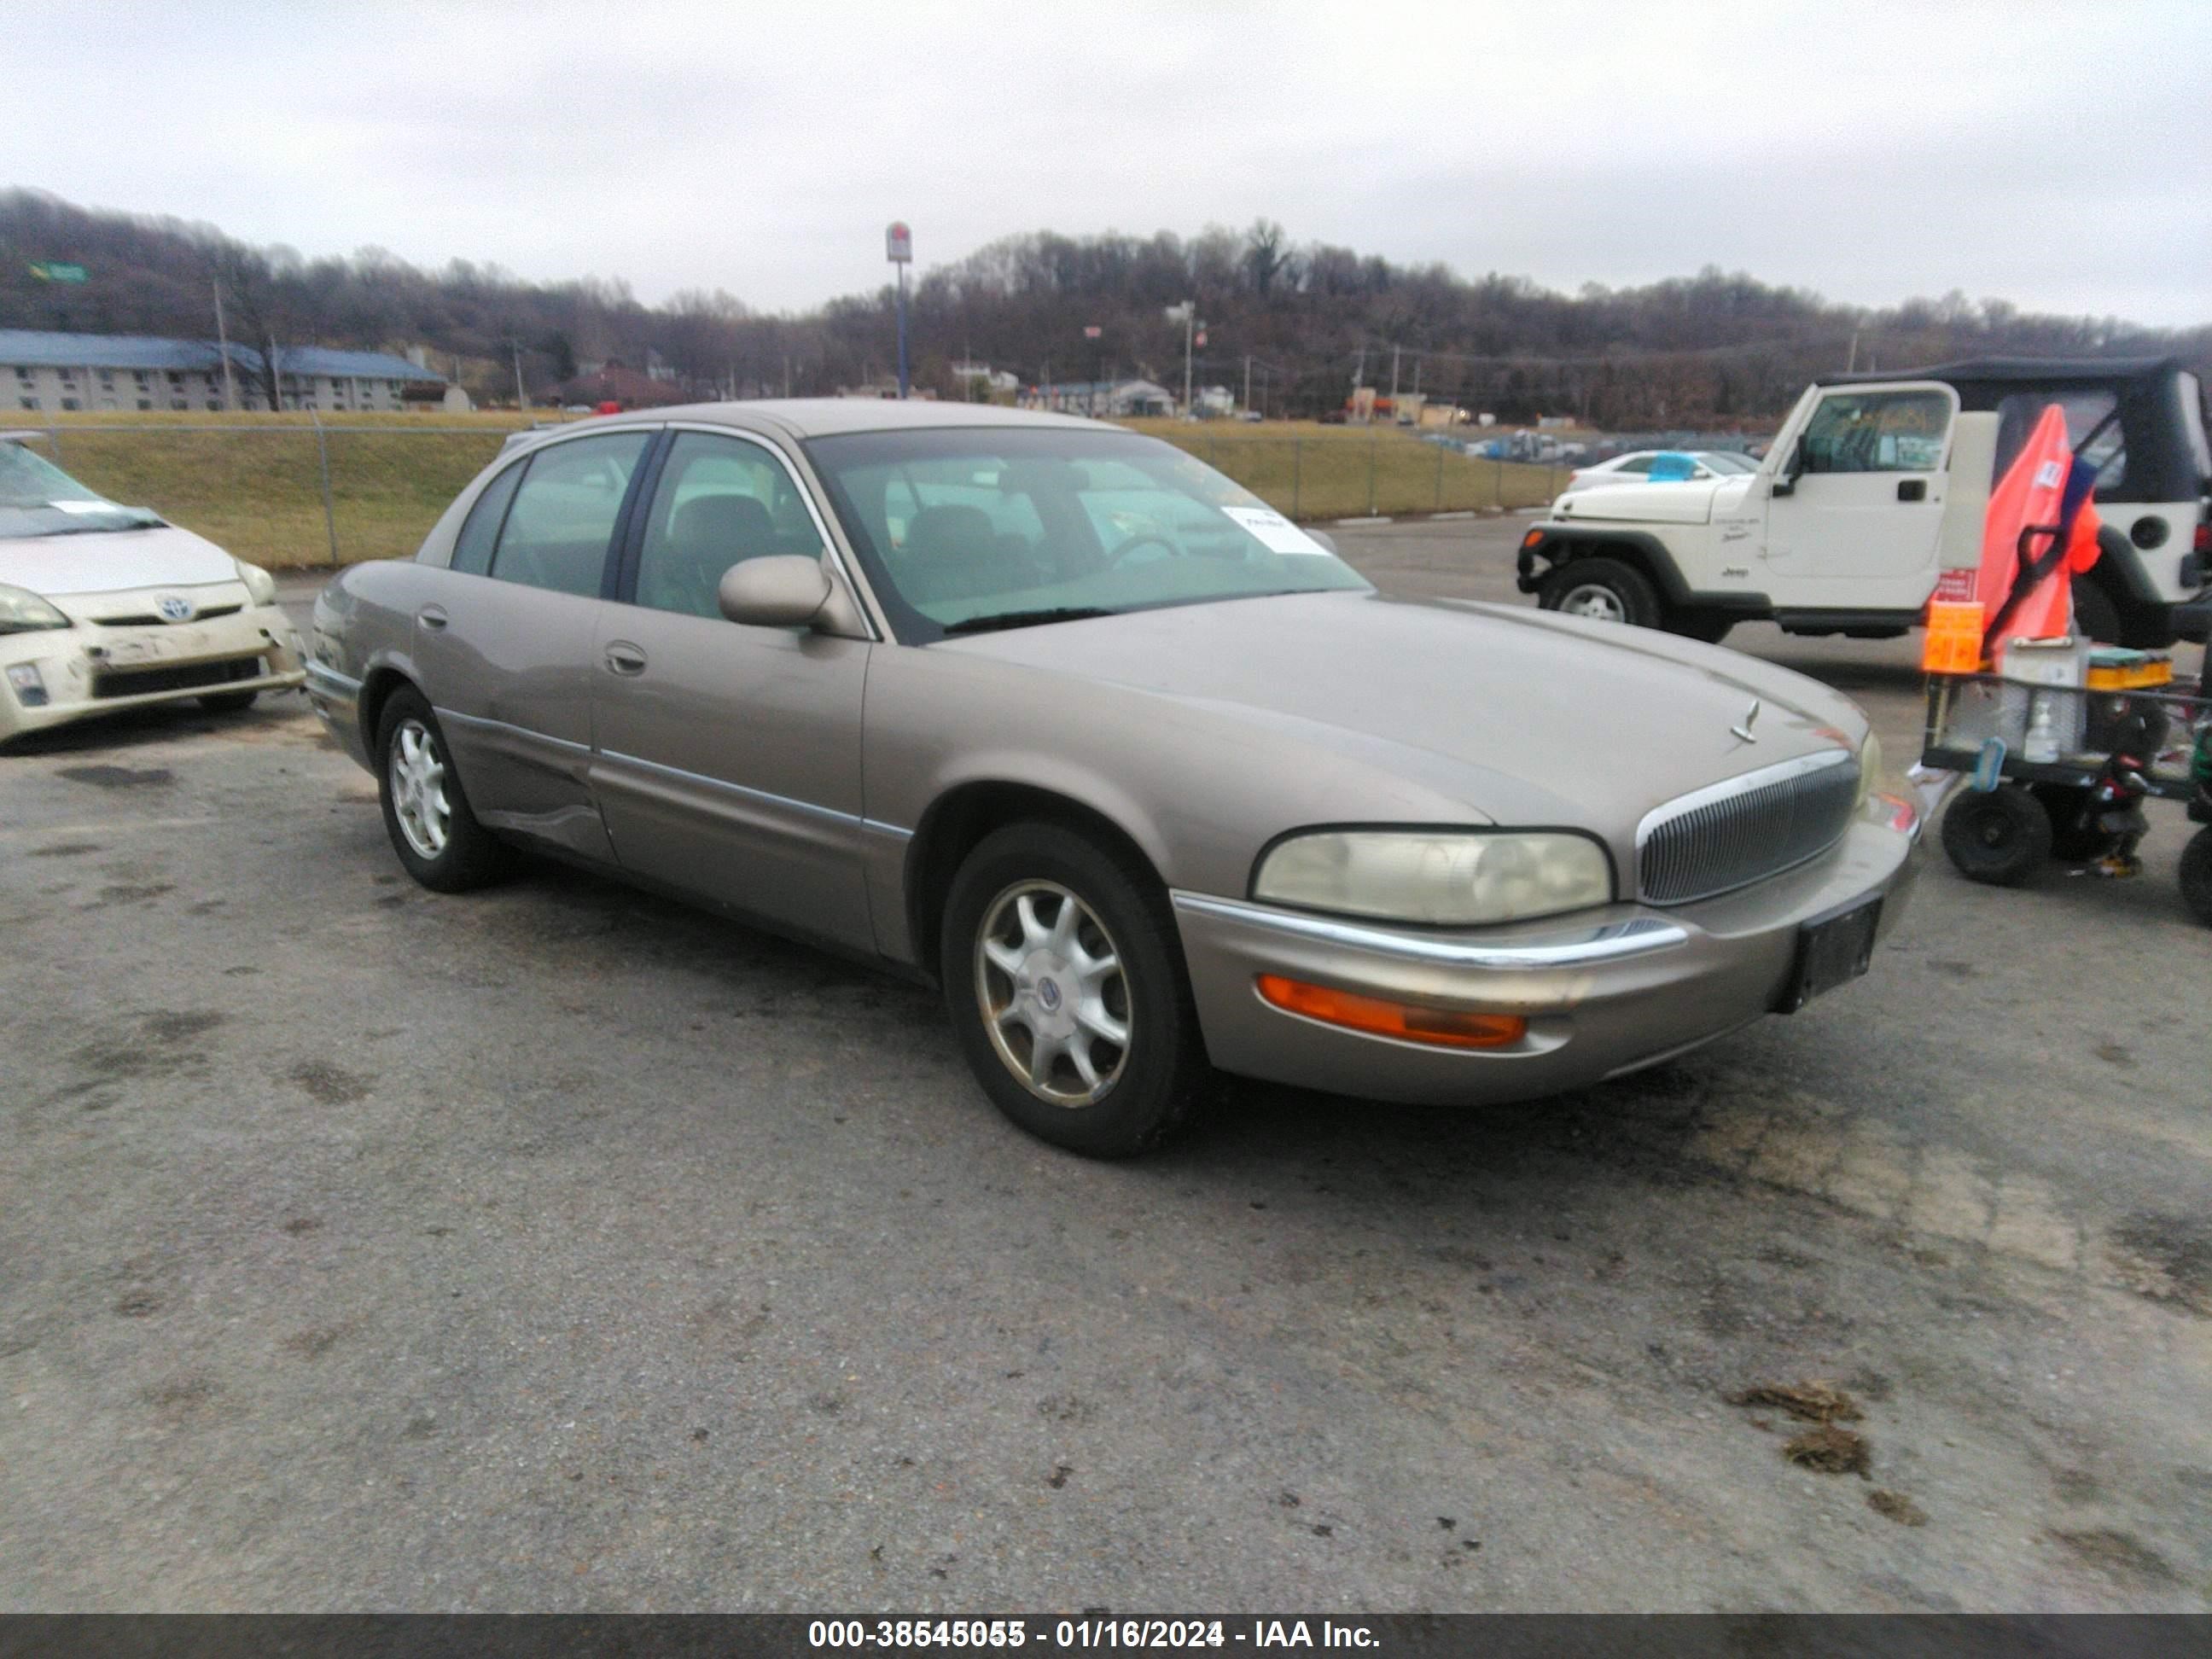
1448	1028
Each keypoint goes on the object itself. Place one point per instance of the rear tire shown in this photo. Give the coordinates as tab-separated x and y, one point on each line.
2196	876
2094	613
227	703
2000	837
426	811
1602	589
1028	995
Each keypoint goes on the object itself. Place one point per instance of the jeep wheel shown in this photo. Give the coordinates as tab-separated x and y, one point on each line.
1604	590
2094	613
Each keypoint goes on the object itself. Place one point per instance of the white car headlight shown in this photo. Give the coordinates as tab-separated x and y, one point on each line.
22	611
260	586
1446	878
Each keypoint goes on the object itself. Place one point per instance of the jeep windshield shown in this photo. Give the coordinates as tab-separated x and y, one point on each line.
965	529
37	498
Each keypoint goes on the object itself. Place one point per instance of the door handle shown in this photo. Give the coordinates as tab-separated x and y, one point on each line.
1913	490
431	616
623	658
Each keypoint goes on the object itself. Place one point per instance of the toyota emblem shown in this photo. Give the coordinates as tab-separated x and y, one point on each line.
174	607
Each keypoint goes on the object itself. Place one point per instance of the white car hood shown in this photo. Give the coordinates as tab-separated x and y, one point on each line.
106	561
1693	501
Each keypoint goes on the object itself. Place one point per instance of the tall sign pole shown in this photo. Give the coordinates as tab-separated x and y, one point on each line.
898	248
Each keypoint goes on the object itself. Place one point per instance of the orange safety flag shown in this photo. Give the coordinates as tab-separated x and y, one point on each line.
2041	500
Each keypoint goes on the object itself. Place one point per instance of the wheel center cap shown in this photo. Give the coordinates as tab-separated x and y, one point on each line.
1045	988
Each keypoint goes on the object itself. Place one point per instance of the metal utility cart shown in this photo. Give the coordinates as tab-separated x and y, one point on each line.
2018	812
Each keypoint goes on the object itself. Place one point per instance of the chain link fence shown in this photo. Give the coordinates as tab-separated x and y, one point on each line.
321	492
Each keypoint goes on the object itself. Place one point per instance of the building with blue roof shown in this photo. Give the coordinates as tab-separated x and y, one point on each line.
49	373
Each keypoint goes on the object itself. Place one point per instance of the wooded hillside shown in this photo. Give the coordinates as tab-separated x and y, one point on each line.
1712	349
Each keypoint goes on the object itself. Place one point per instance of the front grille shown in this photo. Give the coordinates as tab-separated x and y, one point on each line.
150	620
188	676
1746	830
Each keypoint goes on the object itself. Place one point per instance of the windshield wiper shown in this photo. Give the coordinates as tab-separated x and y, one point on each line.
999	619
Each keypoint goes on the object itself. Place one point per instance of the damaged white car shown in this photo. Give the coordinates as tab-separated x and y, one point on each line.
105	607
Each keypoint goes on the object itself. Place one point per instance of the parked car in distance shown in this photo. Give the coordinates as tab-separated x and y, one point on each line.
1140	775
105	607
1635	467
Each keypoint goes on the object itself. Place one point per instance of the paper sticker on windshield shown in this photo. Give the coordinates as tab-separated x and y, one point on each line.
1276	534
84	506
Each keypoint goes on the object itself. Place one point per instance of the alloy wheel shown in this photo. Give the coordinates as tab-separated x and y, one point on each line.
1054	996
418	789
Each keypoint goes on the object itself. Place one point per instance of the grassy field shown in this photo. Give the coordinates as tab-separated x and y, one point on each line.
253	482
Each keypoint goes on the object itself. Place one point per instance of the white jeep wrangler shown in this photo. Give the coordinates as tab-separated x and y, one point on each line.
1838	531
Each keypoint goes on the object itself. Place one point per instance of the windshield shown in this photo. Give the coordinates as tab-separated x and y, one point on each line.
37	498
962	528
1727	460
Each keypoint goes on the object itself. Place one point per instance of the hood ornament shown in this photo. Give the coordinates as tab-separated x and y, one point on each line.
1744	731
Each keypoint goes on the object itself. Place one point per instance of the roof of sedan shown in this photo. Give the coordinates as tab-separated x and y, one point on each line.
823	417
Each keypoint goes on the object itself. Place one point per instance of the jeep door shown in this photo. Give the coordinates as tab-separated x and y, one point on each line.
729	756
1853	516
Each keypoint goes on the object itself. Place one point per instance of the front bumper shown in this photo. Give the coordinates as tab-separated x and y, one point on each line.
1603	994
89	670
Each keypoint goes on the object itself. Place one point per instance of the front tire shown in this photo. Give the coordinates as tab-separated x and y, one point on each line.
1065	981
1604	590
2000	837
1710	627
425	810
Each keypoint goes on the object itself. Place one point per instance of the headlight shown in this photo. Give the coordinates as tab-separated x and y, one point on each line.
1869	766
22	611
1449	878
260	586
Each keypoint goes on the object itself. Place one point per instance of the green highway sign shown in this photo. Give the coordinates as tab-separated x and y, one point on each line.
53	273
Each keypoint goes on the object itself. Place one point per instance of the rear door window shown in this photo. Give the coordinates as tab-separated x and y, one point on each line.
563	516
480	530
2087	412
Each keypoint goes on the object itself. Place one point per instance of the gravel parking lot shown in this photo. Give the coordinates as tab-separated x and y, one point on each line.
562	1248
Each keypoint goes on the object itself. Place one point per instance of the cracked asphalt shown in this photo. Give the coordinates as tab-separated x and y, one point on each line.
561	1248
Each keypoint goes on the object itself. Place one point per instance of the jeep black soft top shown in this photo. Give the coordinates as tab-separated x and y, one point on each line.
2158	402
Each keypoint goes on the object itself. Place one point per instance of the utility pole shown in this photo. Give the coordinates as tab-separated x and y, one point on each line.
1853	361
1248	380
1393	383
521	397
222	349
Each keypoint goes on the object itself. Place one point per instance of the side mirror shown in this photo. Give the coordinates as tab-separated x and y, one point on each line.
1786	475
785	591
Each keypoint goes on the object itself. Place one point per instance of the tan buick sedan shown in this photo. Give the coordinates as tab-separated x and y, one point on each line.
1142	774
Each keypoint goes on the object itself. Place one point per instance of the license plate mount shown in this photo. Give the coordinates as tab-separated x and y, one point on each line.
1833	950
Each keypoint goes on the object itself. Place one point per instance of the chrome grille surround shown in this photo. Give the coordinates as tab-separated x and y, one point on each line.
1743	830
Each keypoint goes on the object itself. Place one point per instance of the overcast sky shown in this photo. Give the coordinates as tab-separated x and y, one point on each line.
2057	155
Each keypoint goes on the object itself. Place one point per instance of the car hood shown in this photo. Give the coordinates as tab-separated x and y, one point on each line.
106	561
1692	501
1520	716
